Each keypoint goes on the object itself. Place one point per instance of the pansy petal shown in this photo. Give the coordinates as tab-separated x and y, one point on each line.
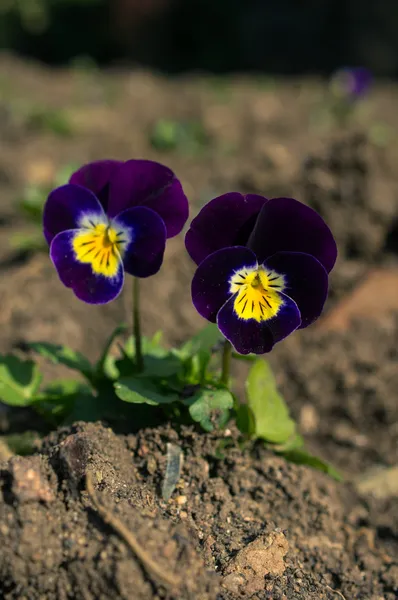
285	224
96	176
145	233
306	282
148	183
211	282
257	337
66	207
88	286
225	221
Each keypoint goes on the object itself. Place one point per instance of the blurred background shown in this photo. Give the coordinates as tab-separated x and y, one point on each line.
275	36
232	95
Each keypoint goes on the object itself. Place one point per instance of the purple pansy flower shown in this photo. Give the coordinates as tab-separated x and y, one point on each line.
351	82
263	267
112	218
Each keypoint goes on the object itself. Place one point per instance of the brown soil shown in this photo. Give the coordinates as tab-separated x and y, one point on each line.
241	523
247	525
342	388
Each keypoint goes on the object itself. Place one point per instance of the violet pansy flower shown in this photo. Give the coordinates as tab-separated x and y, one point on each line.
263	267
112	218
351	82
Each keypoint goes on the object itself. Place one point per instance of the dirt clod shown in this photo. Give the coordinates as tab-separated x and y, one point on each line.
29	481
261	557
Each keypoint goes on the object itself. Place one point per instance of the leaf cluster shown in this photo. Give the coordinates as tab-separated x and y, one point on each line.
180	384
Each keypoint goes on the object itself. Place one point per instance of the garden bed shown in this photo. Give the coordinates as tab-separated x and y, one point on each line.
242	523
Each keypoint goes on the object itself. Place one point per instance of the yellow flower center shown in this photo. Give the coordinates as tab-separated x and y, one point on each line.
100	245
258	292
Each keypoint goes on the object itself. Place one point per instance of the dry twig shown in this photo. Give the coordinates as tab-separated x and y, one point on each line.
335	592
145	559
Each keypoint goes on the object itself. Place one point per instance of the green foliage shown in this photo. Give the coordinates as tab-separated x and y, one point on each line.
31	205
211	407
140	390
63	355
179	376
302	457
181	384
34	196
19	380
188	137
204	340
270	417
48	120
266	416
59	399
179	381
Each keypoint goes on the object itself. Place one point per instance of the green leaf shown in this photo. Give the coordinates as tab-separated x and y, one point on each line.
59	398
205	339
105	365
85	408
19	380
271	416
63	355
110	368
200	362
121	367
150	346
165	135
140	390
296	442
302	457
189	137
161	367
59	388
244	419
32	202
159	362
210	407
244	357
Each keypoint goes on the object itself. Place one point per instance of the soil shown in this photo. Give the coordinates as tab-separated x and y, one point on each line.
242	523
342	389
246	525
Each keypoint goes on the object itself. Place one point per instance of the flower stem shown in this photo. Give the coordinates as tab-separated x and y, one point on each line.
226	362
139	361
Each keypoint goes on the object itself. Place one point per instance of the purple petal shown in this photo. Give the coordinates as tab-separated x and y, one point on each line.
284	224
65	208
361	80
150	184
251	336
225	221
306	282
211	285
143	256
96	177
351	82
87	285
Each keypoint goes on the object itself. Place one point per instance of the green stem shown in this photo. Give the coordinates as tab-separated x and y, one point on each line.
226	362
139	361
